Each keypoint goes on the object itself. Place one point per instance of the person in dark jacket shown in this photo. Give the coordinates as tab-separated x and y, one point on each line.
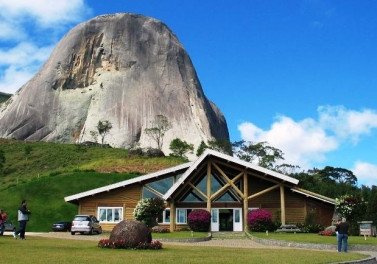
342	229
23	217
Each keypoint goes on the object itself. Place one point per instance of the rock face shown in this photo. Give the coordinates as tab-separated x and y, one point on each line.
124	68
133	232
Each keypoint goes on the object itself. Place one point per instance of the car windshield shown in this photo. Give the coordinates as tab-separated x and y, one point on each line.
81	218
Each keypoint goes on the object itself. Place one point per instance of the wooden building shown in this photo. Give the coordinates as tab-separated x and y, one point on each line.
225	186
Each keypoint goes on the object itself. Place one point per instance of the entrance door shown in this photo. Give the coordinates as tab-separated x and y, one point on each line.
214	220
237	219
226	219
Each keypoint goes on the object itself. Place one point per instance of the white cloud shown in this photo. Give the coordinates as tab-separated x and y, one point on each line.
47	13
19	64
347	124
24	54
13	79
301	142
23	23
308	141
366	173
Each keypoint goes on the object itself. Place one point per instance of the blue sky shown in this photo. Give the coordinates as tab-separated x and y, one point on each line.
299	74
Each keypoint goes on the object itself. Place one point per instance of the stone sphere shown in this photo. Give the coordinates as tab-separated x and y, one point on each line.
133	232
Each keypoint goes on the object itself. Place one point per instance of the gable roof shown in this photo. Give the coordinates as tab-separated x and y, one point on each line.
110	187
313	195
237	161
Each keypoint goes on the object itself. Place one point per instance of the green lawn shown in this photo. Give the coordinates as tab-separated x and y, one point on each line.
46	250
314	238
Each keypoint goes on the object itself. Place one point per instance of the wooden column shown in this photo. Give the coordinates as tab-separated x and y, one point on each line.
209	186
172	215
282	204
245	200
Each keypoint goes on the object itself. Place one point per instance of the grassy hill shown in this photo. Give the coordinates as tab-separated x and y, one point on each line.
4	97
44	173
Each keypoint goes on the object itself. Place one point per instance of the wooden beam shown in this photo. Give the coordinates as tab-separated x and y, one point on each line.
263	192
153	191
231	182
209	186
245	201
172	215
199	191
282	204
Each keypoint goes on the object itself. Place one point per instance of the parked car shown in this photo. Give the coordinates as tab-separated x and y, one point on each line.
85	224
8	226
62	226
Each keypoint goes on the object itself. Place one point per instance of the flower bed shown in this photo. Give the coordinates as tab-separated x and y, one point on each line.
122	244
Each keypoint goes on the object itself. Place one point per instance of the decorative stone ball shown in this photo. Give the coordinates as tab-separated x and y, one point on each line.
132	232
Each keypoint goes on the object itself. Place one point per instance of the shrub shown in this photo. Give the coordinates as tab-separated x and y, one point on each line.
260	220
326	233
123	244
199	220
147	210
160	229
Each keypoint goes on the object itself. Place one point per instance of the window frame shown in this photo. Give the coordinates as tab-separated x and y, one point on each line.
112	208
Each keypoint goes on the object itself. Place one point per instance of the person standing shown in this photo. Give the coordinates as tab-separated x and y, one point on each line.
3	218
342	230
23	217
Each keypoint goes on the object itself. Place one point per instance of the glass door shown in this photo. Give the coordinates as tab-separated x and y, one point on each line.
215	220
237	219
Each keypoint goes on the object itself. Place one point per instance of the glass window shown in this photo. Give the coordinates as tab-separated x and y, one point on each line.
110	214
236	215
181	216
214	215
166	216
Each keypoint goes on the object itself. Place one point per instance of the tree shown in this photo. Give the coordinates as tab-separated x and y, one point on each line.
2	160
202	147
339	175
103	128
260	153
221	145
157	132
179	148
148	210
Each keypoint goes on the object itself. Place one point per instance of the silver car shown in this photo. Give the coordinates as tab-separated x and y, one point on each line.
85	224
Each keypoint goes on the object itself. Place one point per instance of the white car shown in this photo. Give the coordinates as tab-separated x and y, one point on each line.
85	224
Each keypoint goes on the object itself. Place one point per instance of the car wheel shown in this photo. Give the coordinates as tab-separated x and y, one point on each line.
99	231
91	231
72	233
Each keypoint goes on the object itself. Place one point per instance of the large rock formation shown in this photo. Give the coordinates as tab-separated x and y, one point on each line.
124	68
133	232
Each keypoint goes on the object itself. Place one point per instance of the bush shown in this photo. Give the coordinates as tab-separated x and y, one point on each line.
123	244
160	229
260	220
199	220
147	210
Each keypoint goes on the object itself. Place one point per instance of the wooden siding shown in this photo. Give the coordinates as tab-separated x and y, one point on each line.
126	197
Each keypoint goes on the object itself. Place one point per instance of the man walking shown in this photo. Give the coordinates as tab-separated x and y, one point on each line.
342	230
23	217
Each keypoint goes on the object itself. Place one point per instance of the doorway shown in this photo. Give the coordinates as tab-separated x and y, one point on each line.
226	220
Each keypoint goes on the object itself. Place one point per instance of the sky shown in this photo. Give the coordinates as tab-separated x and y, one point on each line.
298	74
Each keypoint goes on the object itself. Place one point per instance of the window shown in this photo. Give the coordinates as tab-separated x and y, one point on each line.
165	217
110	214
182	215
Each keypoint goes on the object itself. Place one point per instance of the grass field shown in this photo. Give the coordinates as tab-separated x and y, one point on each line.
50	171
46	251
314	238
